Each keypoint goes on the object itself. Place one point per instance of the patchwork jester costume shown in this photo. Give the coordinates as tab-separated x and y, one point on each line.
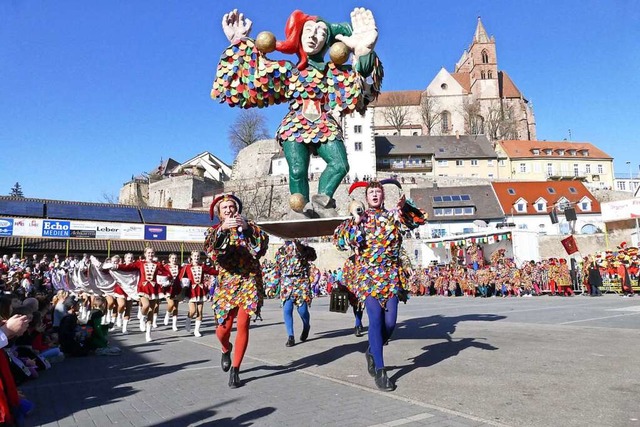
293	264
318	93
377	276
236	257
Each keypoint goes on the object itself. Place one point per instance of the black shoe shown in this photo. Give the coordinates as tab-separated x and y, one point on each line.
359	331
305	334
225	360
383	382
290	341
371	365
234	378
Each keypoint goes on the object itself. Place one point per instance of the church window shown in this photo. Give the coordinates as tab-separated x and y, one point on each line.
446	117
485	57
489	74
483	75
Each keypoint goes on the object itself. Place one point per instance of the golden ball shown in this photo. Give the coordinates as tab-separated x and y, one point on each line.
266	42
339	53
297	202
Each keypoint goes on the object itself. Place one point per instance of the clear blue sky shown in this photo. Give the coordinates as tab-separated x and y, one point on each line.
92	92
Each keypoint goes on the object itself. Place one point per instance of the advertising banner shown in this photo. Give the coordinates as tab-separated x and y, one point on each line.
177	233
155	232
55	228
6	227
27	227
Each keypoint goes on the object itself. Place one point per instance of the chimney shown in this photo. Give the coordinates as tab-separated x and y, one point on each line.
457	135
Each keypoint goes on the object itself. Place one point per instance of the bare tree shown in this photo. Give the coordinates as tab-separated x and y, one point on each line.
250	126
493	120
259	199
472	118
500	122
109	198
396	114
430	112
508	125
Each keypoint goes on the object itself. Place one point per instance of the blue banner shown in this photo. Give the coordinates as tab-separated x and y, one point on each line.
155	232
6	227
52	228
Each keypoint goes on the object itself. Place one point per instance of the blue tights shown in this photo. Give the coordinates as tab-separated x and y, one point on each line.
382	322
303	311
358	315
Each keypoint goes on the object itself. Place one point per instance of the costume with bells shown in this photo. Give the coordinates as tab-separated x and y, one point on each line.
239	293
316	90
377	274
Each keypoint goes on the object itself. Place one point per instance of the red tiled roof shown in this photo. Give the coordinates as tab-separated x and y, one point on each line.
463	79
523	149
510	192
398	98
508	89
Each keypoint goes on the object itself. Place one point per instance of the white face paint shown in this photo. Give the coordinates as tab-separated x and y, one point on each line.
314	36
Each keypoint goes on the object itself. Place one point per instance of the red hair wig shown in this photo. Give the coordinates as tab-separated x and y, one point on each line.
293	32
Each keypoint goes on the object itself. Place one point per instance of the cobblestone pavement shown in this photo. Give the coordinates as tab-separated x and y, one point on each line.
456	361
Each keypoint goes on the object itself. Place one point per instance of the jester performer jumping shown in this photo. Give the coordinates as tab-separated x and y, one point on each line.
376	238
235	245
319	93
293	265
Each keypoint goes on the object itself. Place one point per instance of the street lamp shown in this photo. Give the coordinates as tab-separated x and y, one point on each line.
630	174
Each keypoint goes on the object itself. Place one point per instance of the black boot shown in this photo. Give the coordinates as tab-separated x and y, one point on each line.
371	365
359	331
305	334
225	360
290	341
383	382
234	378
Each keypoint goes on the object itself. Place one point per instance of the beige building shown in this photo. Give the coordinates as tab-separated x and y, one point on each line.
177	185
437	156
546	160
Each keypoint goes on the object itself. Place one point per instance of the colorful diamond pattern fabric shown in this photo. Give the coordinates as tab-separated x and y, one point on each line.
236	257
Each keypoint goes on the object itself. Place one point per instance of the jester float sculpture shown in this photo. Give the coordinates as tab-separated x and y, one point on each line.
319	93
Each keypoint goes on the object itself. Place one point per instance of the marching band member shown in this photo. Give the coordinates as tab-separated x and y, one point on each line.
193	277
152	274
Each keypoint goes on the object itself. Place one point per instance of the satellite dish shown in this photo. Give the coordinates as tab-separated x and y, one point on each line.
480	223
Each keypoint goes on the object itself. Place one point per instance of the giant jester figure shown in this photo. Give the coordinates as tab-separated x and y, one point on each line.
319	93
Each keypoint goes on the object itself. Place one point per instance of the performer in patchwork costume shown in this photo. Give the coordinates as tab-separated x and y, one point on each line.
236	246
376	238
293	264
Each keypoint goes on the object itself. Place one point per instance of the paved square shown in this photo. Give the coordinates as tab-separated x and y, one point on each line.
548	361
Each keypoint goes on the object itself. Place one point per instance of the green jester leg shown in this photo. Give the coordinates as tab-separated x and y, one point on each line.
334	154
297	156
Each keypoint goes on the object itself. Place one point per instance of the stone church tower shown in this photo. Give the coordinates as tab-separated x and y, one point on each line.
481	63
476	98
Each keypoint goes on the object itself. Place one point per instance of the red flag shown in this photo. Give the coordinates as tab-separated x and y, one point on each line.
570	245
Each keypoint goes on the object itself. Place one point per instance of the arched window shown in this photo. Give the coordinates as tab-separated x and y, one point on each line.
483	75
485	57
489	74
446	120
